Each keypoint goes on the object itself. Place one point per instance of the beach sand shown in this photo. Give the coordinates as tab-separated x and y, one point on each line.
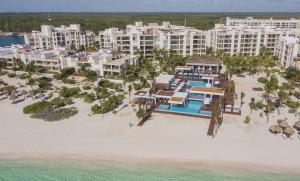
164	139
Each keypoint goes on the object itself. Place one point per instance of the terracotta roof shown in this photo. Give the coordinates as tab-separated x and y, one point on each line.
165	93
177	99
204	59
208	89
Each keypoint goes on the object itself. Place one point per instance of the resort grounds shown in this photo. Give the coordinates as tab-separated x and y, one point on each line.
163	139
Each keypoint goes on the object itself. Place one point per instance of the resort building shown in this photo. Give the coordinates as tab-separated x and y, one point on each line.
288	51
49	59
191	90
144	39
244	41
10	55
64	36
291	23
105	62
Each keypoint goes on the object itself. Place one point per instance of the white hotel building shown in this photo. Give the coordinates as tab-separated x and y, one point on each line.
235	37
291	23
185	41
53	37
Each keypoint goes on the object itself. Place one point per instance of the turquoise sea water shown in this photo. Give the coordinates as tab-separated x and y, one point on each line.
74	171
7	41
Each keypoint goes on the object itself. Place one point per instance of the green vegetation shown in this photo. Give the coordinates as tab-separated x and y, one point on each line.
69	92
11	75
64	73
51	114
26	22
140	113
35	107
108	104
247	120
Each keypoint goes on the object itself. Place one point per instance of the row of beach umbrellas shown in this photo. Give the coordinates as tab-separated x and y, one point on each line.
285	128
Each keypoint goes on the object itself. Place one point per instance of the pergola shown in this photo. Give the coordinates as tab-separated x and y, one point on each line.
205	63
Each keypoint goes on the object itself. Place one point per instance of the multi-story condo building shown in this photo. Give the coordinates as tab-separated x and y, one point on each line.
288	50
65	36
291	23
105	62
244	40
145	39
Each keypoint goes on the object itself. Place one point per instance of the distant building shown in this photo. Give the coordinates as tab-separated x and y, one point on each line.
288	50
251	22
144	39
64	36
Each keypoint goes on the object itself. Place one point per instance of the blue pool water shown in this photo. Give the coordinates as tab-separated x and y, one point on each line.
192	107
7	41
197	84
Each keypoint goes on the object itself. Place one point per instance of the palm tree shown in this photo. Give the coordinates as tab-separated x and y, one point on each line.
252	104
271	86
129	91
242	97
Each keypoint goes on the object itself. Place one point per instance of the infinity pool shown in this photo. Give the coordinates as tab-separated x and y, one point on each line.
197	84
192	107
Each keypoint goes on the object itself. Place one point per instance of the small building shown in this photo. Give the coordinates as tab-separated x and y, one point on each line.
179	98
205	63
163	82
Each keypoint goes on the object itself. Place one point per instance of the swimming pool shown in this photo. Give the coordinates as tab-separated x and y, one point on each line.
197	84
192	107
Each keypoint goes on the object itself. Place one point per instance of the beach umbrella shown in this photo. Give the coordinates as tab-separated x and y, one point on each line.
275	129
297	125
31	94
13	97
283	123
23	93
40	95
289	131
13	92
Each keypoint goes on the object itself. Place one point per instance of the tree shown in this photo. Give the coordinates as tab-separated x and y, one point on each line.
252	104
269	108
129	91
247	120
242	97
140	113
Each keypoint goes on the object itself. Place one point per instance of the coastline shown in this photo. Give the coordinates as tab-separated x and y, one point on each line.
165	140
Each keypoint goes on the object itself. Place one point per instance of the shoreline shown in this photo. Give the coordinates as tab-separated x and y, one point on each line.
212	165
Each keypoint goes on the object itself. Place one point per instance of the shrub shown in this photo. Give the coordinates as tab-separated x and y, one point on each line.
51	114
247	120
89	98
297	95
292	104
86	87
69	92
137	86
2	72
24	76
68	81
44	84
67	71
140	113
11	75
90	75
35	107
262	80
40	69
258	105
58	102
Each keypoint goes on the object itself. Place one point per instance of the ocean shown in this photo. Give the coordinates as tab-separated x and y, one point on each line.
34	170
8	40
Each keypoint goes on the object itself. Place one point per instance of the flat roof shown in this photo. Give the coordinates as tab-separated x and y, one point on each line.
178	98
162	93
212	90
203	60
164	79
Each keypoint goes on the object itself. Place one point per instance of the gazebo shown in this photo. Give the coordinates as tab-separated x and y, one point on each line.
205	63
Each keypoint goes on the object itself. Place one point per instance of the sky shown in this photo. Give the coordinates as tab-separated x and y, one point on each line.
149	5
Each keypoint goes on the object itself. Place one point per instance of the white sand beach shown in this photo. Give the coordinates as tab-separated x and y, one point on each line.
164	138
